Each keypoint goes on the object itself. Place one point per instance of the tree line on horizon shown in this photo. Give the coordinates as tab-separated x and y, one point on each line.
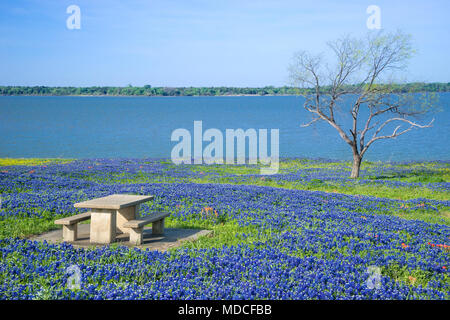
148	90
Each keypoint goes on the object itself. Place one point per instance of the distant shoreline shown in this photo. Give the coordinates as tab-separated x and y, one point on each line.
146	96
162	96
149	91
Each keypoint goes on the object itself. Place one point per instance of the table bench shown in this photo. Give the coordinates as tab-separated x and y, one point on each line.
137	226
70	225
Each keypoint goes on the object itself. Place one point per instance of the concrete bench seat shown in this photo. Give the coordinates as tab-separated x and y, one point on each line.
70	225
137	226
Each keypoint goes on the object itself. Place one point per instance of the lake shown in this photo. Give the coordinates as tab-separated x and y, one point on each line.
141	127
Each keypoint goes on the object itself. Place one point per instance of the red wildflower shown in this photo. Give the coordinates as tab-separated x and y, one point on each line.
446	247
206	210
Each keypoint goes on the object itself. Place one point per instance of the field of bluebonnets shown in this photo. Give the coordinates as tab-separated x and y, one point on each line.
308	232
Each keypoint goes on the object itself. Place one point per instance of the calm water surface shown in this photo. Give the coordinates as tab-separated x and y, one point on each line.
138	127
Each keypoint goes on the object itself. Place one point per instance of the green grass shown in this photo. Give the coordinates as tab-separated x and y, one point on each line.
25	227
31	161
429	216
422	176
228	234
412	277
380	191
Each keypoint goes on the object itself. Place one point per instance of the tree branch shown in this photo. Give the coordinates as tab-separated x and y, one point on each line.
395	133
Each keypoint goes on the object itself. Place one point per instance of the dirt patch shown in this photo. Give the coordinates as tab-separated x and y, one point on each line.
172	238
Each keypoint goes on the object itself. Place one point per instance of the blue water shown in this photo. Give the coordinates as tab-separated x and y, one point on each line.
138	127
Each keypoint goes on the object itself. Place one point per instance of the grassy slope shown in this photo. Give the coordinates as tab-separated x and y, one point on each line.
230	233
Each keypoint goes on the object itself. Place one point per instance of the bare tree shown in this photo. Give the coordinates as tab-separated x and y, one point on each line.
361	73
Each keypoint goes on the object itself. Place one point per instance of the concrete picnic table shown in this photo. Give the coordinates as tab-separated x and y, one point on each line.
109	214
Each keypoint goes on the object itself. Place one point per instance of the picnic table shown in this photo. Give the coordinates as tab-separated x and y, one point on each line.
109	214
117	213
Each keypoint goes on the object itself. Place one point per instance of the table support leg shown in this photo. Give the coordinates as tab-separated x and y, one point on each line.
125	215
136	235
158	227
70	232
103	226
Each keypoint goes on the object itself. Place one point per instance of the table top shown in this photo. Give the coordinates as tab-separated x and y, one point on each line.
114	201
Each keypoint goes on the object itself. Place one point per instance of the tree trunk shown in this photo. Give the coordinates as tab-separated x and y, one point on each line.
356	165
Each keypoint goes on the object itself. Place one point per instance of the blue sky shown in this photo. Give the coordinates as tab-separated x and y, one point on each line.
199	43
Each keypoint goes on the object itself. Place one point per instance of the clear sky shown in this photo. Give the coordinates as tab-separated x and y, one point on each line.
199	43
